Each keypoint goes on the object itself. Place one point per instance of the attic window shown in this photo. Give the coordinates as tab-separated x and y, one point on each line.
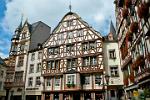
69	23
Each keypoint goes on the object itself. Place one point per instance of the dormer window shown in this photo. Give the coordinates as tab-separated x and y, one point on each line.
69	23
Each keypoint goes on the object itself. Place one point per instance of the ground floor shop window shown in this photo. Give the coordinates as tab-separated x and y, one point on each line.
87	96
47	96
56	96
99	96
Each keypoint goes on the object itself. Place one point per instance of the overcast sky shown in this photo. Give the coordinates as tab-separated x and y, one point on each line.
97	13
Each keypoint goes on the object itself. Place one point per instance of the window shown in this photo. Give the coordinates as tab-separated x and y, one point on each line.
53	64
88	46
86	61
31	70
2	74
39	55
69	48
112	54
13	48
37	83
20	61
18	77
71	63
53	50
38	67
69	23
22	47
92	45
57	81
85	46
112	93
80	33
70	35
93	60
98	79
70	79
23	35
114	71
32	56
87	80
89	61
30	81
48	82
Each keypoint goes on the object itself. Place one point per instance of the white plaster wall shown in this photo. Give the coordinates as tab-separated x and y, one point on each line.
34	74
109	62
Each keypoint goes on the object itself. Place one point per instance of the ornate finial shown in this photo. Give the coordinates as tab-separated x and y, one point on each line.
70	7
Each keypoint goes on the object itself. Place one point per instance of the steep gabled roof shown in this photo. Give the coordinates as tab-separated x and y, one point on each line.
112	30
112	33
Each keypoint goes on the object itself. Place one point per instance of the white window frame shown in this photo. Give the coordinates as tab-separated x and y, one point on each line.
57	81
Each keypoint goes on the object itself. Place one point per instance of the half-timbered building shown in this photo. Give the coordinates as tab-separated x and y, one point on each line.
73	61
26	38
133	29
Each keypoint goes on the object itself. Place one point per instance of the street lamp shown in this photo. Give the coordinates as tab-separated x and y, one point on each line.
107	82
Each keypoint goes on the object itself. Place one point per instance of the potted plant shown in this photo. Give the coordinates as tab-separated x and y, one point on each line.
72	85
128	3
68	85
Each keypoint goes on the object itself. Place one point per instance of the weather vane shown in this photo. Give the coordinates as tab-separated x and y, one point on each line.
70	7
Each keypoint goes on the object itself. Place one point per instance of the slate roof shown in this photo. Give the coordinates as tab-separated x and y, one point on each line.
2	61
39	33
111	31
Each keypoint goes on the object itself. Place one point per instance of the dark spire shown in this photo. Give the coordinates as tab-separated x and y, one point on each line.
112	30
70	6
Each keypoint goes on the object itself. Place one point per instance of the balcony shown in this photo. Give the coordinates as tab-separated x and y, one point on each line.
144	73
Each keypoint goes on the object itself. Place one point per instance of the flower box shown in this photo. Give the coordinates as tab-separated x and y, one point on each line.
128	3
134	27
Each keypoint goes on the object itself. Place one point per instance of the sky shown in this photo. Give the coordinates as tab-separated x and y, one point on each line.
97	13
